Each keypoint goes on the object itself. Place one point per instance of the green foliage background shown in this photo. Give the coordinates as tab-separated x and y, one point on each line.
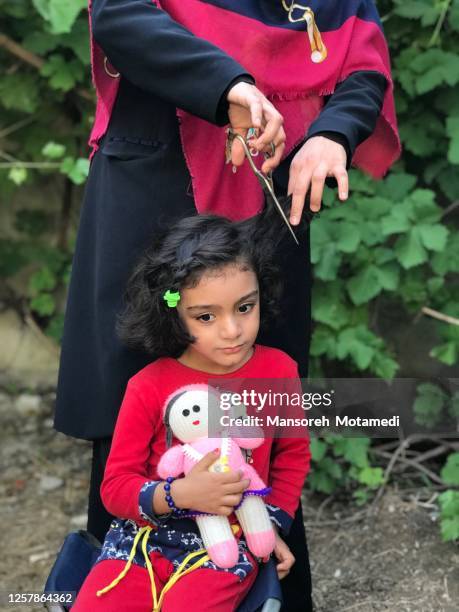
393	249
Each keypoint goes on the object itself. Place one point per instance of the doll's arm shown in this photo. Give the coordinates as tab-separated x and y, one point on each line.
171	463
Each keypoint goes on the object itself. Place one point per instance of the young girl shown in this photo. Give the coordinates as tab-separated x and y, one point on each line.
195	299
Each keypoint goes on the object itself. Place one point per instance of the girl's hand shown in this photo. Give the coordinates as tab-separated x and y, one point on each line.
318	158
284	555
248	108
216	493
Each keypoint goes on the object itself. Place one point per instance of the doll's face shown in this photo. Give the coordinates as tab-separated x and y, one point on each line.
188	417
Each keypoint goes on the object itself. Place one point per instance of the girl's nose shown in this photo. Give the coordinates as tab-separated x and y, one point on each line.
230	328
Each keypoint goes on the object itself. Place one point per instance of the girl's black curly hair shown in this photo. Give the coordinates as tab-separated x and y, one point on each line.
178	259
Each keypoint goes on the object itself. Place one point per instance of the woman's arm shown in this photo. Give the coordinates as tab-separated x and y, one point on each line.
157	54
350	114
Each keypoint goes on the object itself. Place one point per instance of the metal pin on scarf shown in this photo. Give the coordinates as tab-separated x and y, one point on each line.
298	12
265	180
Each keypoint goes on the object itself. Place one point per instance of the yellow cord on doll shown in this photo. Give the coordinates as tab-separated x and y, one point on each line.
144	533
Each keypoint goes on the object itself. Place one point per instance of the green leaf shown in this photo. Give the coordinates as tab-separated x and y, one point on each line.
396	186
61	14
320	481
17	175
433	237
450	529
450	471
373	477
384	366
53	150
409	249
77	170
446	353
354	342
449	503
349	238
365	285
389	276
428	405
318	449
62	74
447	260
43	304
327	266
327	306
356	451
323	342
19	91
55	328
453	18
452	129
43	280
396	223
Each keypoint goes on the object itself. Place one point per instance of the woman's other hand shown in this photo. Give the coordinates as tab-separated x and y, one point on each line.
317	159
248	108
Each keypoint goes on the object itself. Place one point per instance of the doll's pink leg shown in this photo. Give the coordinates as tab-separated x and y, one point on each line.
219	540
256	525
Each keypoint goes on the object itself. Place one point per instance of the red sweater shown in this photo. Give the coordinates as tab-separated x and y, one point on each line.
140	436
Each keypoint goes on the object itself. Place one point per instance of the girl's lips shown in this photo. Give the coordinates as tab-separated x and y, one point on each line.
232	349
196	422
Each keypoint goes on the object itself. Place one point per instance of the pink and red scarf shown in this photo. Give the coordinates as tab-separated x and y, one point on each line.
277	53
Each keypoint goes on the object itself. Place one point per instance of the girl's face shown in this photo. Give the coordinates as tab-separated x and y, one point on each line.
223	313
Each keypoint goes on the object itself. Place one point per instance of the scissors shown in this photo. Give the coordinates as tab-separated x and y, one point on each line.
265	180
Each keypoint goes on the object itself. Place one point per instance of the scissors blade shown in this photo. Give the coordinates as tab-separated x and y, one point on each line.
269	191
264	181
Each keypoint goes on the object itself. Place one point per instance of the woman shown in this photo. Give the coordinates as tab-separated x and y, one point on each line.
153	163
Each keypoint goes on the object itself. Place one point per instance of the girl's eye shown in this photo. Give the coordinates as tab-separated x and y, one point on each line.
245	308
206	318
185	412
196	408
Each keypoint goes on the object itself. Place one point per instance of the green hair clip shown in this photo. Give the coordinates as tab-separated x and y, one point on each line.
172	298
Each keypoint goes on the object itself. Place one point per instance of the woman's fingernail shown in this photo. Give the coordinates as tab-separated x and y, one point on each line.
343	195
294	220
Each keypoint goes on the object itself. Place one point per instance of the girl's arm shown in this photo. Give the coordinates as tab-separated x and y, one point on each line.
160	56
127	490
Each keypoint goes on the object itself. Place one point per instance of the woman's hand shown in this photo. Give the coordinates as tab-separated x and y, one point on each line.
248	108
284	555
318	158
216	493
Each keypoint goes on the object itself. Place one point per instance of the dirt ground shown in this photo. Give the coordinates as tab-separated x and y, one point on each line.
390	560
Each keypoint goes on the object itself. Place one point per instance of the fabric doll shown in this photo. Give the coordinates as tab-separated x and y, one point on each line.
186	417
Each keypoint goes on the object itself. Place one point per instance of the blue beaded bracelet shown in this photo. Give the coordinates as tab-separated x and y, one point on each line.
169	500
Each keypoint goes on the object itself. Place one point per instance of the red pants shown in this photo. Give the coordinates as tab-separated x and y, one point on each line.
203	590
